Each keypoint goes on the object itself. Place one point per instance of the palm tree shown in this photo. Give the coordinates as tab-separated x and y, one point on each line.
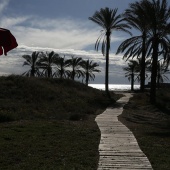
47	62
108	20
32	61
61	67
159	40
136	45
89	69
162	70
132	68
157	16
139	68
75	65
167	60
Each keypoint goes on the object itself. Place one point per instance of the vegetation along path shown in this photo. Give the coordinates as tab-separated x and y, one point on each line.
118	147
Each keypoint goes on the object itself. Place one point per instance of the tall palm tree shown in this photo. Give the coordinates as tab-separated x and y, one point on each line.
61	67
136	45
75	66
89	69
159	40
157	16
47	62
109	21
32	61
132	68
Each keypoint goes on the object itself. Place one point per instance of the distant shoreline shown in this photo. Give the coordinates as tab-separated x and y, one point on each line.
115	87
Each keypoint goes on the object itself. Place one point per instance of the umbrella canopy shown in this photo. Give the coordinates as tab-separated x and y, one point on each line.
7	41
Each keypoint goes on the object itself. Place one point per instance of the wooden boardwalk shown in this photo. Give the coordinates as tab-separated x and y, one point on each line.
118	147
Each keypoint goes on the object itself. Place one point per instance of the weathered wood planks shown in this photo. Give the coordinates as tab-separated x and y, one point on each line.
118	147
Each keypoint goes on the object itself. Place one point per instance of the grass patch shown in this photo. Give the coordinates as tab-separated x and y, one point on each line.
163	100
34	98
49	124
49	145
151	127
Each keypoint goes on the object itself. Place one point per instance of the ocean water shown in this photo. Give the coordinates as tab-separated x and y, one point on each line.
115	87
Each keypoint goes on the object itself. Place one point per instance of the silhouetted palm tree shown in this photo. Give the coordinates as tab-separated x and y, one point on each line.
109	21
136	46
162	70
159	29
89	69
157	16
132	68
139	68
47	62
32	61
167	60
75	66
161	73
62	67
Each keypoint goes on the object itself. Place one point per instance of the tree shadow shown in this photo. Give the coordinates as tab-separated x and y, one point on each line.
159	134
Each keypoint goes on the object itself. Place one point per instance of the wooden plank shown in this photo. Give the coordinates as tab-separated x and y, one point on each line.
118	147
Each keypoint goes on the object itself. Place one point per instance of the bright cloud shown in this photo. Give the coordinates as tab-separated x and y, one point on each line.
59	33
56	33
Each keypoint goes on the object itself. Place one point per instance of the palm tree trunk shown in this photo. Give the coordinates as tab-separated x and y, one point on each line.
61	75
154	72
142	73
49	72
132	82
158	81
32	71
87	79
107	64
73	75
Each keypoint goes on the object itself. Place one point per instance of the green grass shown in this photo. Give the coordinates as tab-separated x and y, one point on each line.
33	98
49	145
48	124
151	127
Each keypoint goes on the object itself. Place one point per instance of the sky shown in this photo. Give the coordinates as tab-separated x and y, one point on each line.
61	26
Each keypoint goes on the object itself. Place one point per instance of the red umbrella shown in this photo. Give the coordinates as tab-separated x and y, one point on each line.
7	41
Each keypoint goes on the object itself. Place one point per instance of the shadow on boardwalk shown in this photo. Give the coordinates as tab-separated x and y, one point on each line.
118	148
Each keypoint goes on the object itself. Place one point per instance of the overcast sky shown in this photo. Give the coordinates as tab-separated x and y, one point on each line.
62	26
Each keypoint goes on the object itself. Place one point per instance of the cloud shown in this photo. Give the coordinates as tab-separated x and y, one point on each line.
65	36
56	33
9	22
60	33
3	5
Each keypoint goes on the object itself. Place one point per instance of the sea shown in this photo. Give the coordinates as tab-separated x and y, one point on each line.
115	87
